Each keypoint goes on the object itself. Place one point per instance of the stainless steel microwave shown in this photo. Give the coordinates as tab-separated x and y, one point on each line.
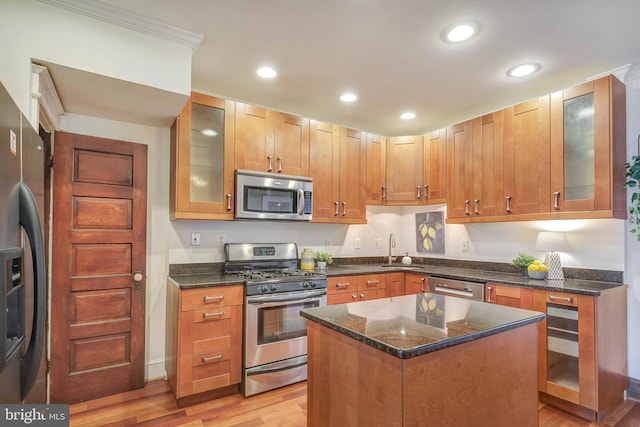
273	196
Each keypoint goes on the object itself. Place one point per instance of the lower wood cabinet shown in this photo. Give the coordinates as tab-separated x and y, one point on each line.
582	347
415	283
344	289
511	296
394	285
203	341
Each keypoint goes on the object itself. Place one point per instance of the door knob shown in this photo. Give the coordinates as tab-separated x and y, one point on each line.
137	279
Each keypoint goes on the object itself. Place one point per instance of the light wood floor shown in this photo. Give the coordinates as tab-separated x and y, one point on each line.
154	406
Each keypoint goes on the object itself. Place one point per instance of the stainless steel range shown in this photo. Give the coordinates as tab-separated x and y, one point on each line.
275	335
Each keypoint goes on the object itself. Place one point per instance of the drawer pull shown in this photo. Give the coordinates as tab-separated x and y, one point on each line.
362	297
209	359
567	299
343	285
217	297
372	282
218	314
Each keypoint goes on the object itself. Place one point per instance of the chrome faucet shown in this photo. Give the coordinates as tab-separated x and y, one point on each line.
392	244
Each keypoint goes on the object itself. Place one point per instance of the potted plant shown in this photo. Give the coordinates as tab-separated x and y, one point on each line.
323	259
632	176
522	261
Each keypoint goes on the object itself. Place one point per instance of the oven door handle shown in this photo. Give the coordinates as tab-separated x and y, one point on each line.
262	370
307	296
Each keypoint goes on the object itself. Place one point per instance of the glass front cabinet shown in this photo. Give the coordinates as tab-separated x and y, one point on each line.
582	365
588	146
202	153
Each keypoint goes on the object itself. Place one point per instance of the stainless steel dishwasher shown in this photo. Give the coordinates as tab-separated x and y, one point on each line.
456	288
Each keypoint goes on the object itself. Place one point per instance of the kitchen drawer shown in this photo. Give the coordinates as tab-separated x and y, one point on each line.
367	282
198	334
200	375
341	284
215	296
342	297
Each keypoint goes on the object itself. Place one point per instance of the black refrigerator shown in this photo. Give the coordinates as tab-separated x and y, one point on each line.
23	299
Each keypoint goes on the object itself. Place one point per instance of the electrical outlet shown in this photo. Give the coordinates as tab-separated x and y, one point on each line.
464	245
195	239
222	239
356	242
377	243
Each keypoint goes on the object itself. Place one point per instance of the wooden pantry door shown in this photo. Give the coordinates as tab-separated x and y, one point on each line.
98	263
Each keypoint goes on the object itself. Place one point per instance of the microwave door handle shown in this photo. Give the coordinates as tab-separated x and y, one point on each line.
300	202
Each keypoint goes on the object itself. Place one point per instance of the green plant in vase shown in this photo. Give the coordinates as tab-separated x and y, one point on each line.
632	176
522	261
324	259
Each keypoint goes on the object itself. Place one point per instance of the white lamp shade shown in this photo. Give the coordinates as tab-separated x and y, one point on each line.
552	241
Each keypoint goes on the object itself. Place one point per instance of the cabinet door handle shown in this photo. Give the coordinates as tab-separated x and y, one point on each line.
426	191
418	194
476	203
216	298
280	164
270	166
344	208
556	200
354	296
422	285
217	314
466	207
362	297
372	282
209	359
228	201
343	285
508	201
567	299
489	289
384	192
336	204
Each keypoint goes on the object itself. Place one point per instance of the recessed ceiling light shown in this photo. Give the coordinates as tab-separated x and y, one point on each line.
266	72
348	97
408	116
523	70
460	32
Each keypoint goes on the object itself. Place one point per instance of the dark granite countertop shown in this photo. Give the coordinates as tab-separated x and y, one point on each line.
200	275
199	280
413	325
576	286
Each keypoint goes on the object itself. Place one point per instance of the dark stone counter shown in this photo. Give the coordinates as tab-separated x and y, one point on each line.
413	325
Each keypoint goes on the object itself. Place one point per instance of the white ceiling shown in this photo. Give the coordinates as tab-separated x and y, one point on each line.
390	53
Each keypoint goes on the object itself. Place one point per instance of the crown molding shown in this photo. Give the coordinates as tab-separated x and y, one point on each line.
50	108
123	18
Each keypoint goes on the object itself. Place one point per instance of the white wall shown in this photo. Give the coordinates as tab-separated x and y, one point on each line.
32	30
632	258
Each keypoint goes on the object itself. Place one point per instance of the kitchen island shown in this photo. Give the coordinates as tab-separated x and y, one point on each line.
419	360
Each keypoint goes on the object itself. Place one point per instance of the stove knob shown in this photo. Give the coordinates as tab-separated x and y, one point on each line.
306	284
274	287
314	284
264	288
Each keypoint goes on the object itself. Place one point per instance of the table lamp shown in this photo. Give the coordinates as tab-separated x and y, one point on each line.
552	241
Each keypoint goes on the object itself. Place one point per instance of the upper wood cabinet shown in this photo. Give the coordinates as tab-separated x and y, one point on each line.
475	168
337	164
434	167
588	141
404	170
376	169
526	157
271	141
202	147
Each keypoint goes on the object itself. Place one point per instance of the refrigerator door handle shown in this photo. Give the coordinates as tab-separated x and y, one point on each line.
30	221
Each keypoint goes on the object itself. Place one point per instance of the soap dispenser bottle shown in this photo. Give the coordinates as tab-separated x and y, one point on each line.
406	259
